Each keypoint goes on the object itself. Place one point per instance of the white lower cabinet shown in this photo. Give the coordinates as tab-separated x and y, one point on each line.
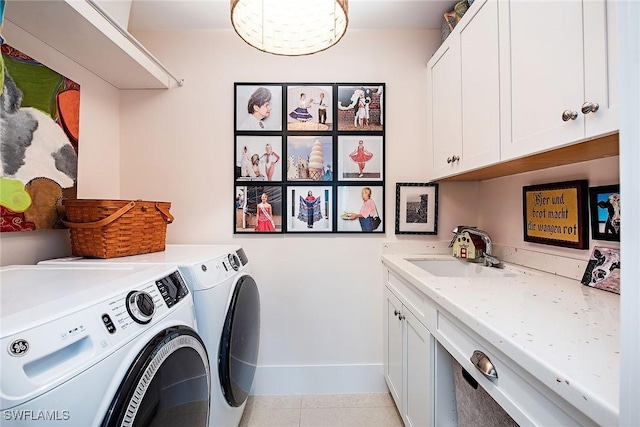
420	341
409	354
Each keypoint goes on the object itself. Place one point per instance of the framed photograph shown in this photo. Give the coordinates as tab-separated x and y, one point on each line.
258	209
556	214
309	108
310	158
361	209
310	209
258	158
258	107
605	212
416	208
360	158
361	108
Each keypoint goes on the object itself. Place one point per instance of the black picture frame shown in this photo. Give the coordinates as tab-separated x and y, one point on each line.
556	214
416	208
303	155
351	201
604	206
250	216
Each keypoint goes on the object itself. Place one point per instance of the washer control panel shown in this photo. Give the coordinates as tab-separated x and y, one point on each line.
172	288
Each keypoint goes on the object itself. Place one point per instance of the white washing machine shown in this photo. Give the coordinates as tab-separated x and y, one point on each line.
89	346
227	311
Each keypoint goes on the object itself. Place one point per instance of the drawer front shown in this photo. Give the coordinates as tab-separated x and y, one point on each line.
418	303
524	398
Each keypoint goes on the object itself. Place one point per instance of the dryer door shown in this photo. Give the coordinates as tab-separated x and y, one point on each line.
168	384
240	341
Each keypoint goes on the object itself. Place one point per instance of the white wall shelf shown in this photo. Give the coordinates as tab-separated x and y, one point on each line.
78	30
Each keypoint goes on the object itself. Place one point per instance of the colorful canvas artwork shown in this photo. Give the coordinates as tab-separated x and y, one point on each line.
603	270
39	123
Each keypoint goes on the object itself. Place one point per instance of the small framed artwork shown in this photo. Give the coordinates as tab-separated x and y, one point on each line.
258	107
258	158
556	214
605	212
310	158
258	209
416	208
361	108
360	209
360	158
310	209
603	270
309	108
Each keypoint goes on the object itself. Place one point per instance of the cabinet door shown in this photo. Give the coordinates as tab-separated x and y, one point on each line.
480	86
542	75
600	66
392	337
445	106
418	374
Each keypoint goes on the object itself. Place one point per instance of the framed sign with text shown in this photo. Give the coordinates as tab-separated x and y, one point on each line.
556	214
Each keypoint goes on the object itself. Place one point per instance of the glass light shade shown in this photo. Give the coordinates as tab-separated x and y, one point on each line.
290	27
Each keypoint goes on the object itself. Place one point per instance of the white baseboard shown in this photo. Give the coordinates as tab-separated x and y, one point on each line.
320	379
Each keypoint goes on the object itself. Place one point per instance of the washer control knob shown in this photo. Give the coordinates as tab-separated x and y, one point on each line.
234	261
140	306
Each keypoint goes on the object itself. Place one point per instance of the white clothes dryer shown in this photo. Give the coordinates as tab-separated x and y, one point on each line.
227	305
89	346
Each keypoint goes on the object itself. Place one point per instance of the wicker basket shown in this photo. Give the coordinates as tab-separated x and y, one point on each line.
115	228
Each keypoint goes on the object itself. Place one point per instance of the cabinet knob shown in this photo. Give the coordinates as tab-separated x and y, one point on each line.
401	317
589	107
396	312
569	115
453	158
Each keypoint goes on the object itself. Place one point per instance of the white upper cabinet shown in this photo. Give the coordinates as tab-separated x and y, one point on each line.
464	82
519	77
480	86
556	57
79	30
445	107
600	66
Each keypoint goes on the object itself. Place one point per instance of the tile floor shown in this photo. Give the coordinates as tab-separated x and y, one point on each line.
322	410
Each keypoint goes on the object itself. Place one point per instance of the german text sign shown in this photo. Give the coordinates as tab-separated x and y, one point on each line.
555	214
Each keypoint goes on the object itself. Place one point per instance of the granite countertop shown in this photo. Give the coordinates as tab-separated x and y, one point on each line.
561	332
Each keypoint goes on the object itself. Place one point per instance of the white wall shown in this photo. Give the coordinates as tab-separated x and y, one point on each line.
98	154
500	212
321	295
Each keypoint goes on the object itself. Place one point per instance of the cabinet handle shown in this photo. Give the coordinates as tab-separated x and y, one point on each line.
484	365
453	158
401	317
589	107
396	312
569	115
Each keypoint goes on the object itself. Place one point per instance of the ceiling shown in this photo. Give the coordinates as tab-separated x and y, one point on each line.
214	14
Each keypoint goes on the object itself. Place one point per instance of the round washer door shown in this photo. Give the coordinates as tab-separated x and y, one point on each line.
168	384
239	342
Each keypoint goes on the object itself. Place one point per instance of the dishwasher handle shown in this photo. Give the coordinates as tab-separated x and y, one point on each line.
484	365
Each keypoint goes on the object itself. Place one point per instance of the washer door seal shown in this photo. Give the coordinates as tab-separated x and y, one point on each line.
168	383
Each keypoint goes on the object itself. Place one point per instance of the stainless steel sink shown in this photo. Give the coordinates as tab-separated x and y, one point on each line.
457	268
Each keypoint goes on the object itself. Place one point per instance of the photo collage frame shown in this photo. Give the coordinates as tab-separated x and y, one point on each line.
309	158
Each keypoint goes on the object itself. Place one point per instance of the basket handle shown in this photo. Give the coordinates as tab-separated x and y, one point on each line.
104	221
165	213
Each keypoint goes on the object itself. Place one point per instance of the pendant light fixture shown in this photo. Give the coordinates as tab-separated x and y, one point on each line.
290	27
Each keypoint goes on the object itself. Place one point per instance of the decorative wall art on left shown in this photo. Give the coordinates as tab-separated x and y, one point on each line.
309	158
38	141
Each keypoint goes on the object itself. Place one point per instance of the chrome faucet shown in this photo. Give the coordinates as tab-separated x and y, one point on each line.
489	259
